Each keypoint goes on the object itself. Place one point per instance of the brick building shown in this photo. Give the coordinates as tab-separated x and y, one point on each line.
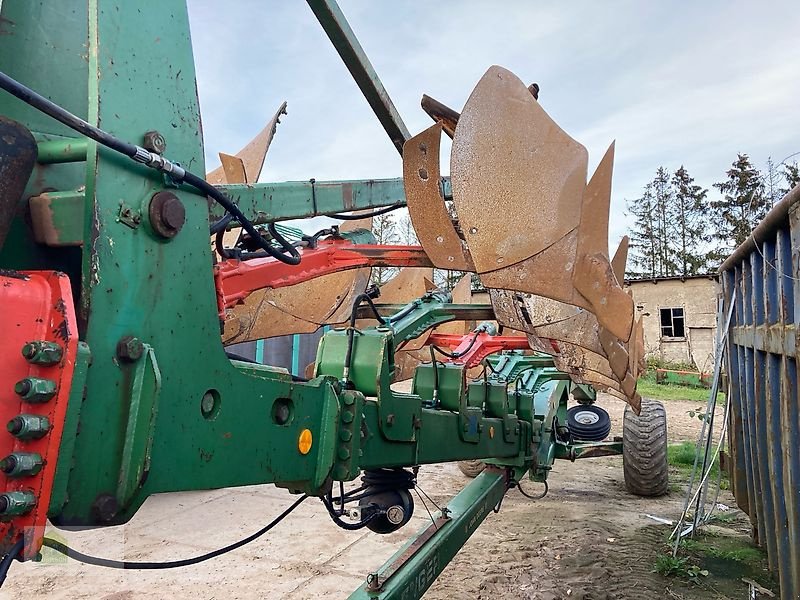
679	317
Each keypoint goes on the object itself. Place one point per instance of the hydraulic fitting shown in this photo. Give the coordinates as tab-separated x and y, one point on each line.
21	464
28	427
13	504
35	390
42	353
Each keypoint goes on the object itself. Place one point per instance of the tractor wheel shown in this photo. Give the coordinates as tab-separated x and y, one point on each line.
471	468
588	422
644	449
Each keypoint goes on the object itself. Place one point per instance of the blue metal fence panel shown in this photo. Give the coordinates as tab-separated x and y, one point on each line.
763	275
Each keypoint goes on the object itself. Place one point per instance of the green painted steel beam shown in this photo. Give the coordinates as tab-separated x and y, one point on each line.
414	568
355	59
266	202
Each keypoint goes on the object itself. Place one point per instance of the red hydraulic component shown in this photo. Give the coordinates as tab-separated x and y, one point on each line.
471	353
236	279
37	360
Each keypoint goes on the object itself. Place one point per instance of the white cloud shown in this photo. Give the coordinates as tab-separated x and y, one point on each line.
673	82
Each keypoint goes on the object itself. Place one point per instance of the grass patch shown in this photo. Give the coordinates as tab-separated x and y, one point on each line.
681	457
715	563
648	388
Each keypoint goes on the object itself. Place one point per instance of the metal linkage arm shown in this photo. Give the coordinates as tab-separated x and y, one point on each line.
470	349
355	59
237	279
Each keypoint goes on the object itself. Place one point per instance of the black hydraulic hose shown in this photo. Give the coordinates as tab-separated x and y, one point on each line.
351	330
344	524
457	354
377	213
289	256
154	161
172	564
51	109
5	564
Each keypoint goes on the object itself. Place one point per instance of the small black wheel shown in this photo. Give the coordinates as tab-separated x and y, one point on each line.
471	468
589	423
644	449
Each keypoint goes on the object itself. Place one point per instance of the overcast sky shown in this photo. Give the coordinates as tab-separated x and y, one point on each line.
674	83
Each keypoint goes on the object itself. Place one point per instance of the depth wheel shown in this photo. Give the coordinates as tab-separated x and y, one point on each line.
589	422
471	468
644	449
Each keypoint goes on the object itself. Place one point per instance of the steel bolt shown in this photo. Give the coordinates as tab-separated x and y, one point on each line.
167	214
35	390
130	349
345	435
154	142
42	353
16	503
28	427
21	464
104	508
348	399
347	417
344	453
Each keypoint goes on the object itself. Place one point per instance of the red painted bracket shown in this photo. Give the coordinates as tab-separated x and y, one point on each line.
37	307
471	354
237	279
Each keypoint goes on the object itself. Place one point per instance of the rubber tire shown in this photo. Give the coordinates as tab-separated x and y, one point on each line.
471	468
644	449
594	432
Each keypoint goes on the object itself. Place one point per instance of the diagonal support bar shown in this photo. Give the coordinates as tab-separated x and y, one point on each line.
335	24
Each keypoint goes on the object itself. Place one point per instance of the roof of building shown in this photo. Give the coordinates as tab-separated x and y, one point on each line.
646	279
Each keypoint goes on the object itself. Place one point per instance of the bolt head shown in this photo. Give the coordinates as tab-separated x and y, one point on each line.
154	142
167	214
130	349
104	508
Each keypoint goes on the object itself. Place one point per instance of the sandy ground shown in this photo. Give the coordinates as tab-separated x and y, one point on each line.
587	539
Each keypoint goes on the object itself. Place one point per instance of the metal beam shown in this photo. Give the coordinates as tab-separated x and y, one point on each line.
355	59
416	565
265	202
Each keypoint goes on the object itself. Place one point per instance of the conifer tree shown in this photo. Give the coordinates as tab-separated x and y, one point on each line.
743	205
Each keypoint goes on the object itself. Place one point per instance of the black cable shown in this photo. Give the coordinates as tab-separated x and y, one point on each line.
209	190
51	109
435	378
13	553
289	255
457	354
376	213
172	564
351	330
527	495
344	524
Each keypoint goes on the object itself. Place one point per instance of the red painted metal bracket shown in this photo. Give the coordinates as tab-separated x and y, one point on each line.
237	279
37	360
471	354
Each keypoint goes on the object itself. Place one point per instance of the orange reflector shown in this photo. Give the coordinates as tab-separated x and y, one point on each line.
305	441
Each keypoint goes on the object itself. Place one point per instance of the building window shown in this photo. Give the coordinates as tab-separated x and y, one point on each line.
672	323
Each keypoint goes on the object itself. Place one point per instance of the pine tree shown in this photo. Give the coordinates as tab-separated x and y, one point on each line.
643	240
664	200
791	175
743	205
688	223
